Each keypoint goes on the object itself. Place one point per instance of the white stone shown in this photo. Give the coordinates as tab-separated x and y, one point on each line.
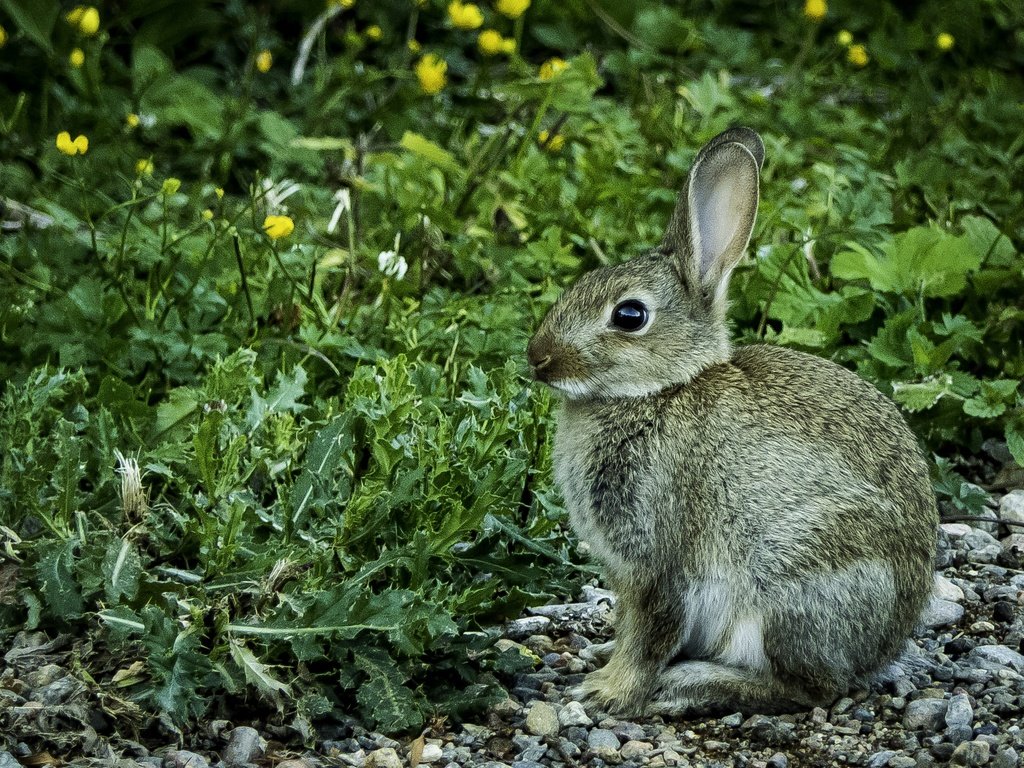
944	589
955	530
1011	506
573	714
941	613
431	753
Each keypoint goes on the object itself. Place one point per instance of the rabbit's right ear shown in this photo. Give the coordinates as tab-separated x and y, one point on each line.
715	213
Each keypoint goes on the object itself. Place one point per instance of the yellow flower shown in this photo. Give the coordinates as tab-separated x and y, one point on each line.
815	9
430	70
86	18
340	3
219	192
131	120
170	186
844	38
551	143
264	61
207	215
858	55
550	68
414	46
490	42
512	8
78	146
465	15
277	227
3	36
77	58
944	41
374	32
144	167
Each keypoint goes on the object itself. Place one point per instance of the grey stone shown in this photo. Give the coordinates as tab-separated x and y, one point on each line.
182	758
386	757
987	554
941	613
971	753
636	750
604	744
778	760
243	746
924	714
520	629
1006	758
881	759
7	760
905	761
979	539
733	720
629	731
431	753
572	714
945	589
1001	655
542	720
959	714
1011	506
1012	554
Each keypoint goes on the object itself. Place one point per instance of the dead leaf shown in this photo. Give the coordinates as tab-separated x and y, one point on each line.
416	750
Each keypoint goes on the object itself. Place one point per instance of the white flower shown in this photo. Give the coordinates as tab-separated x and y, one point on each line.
392	265
344	199
134	498
274	195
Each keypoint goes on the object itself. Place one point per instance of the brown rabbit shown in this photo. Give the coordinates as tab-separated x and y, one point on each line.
764	515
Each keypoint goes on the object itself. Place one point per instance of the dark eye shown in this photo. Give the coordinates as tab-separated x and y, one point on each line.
630	315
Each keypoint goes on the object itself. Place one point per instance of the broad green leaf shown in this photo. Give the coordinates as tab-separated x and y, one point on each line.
36	18
55	572
258	674
383	694
432	152
919	396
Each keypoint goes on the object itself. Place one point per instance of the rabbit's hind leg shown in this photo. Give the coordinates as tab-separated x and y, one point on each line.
703	687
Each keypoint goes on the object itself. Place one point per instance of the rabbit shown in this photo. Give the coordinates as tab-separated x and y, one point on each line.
765	516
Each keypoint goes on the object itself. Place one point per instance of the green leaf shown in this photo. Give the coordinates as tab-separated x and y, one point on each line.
1015	436
433	153
383	694
122	569
919	396
55	573
258	674
36	18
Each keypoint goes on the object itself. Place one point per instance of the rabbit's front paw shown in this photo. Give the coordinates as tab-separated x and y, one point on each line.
616	688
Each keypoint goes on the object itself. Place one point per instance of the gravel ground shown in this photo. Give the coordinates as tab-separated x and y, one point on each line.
960	702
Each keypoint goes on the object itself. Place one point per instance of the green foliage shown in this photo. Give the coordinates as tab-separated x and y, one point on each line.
344	474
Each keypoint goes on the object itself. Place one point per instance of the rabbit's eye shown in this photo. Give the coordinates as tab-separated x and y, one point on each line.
630	315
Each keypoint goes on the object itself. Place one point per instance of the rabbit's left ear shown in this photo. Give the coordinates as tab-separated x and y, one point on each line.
715	213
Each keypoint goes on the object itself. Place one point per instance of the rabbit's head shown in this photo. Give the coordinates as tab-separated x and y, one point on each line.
659	319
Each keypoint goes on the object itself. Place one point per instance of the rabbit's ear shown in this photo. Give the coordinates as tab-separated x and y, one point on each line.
715	214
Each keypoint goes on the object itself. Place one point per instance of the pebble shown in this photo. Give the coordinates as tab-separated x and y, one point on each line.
7	760
1011	506
629	732
959	719
636	750
542	720
881	759
924	714
243	746
386	757
1001	655
945	589
431	753
572	714
1006	758
604	744
941	613
971	753
734	720
778	760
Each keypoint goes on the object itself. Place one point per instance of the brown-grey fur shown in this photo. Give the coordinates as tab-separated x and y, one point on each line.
764	515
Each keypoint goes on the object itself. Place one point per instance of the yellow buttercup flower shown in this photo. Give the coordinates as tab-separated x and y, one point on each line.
512	8
374	32
815	10
77	58
490	42
414	46
207	215
277	227
144	167
131	120
170	186
551	143
3	36
945	41
550	68
219	192
85	18
465	15
71	147
264	61
858	55
844	38
431	72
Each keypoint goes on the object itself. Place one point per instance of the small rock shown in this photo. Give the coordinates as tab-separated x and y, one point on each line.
944	589
383	758
979	539
971	753
1012	554
243	746
1011	506
955	530
987	554
881	759
636	750
1006	758
734	719
431	753
711	745
778	760
959	719
182	758
941	613
572	714
1001	655
604	744
905	761
924	714
542	720
520	629
629	731
7	760
296	762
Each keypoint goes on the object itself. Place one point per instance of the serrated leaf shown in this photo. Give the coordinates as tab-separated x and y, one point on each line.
383	694
314	486
55	572
921	395
258	674
122	569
